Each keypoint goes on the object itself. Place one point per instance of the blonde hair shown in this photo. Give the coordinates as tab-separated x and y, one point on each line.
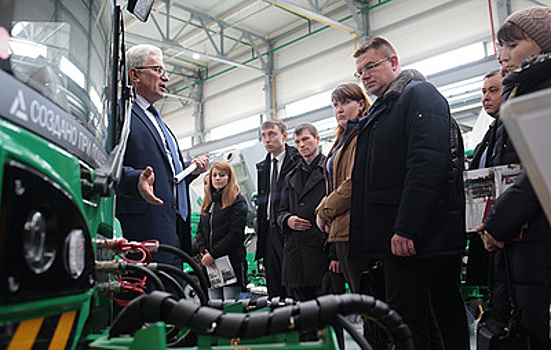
230	191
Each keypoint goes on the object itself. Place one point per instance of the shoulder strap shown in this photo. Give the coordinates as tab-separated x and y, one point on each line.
508	275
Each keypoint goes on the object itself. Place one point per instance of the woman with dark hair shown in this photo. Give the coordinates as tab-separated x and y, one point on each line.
333	213
525	38
221	228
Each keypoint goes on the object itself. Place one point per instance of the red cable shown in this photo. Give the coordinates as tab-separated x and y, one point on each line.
123	246
126	286
492	24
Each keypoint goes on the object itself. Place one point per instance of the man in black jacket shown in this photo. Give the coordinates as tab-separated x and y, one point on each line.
281	158
407	201
477	264
491	101
305	261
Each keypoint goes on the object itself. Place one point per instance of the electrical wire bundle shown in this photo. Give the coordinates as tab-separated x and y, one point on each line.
143	265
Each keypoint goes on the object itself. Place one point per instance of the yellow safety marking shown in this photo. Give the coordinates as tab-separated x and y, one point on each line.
62	331
26	333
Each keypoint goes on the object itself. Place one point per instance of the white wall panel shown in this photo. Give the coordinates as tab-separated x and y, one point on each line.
227	81
447	25
182	122
234	104
316	74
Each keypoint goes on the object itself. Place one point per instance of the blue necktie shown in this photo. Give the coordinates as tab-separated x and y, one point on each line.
181	190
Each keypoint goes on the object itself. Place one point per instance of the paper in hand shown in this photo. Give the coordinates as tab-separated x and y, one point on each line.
184	173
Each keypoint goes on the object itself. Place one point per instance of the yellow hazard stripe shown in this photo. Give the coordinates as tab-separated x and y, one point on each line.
26	333
62	331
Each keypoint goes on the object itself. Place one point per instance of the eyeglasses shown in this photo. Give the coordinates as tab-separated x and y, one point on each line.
159	69
369	67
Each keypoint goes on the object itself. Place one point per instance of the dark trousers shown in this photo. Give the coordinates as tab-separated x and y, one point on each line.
273	263
184	233
425	292
351	269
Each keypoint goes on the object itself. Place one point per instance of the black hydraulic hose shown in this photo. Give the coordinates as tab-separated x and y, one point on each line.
250	305
172	282
203	297
263	302
180	290
189	260
144	271
319	312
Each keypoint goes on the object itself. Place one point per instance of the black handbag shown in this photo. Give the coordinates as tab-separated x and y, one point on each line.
495	333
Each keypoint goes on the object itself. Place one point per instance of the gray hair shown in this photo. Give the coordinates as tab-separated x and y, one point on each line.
137	55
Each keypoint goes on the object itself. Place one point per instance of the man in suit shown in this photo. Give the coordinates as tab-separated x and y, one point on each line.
150	205
281	158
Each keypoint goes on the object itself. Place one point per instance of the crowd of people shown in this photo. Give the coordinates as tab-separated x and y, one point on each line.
389	194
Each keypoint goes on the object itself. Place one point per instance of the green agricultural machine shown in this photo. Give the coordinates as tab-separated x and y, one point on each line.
63	128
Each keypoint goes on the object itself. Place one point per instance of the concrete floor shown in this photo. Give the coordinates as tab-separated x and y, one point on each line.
350	344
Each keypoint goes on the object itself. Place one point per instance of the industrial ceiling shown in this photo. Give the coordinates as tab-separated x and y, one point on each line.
204	39
197	35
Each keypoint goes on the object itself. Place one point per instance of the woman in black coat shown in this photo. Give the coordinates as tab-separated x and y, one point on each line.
524	34
221	228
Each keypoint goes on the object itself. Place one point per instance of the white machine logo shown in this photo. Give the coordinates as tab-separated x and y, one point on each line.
46	121
19	107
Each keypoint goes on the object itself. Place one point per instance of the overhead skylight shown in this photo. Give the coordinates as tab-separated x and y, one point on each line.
450	59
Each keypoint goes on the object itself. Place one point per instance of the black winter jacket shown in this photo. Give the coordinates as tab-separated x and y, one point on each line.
222	232
305	261
530	257
407	176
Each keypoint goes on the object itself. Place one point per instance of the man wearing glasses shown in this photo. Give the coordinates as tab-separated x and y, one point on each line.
407	201
151	161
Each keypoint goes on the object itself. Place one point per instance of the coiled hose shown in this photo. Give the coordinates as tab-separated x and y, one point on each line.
189	260
157	267
159	306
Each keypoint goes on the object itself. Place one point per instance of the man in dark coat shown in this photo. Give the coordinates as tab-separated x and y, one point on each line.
491	102
478	261
305	260
149	164
407	200
269	245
